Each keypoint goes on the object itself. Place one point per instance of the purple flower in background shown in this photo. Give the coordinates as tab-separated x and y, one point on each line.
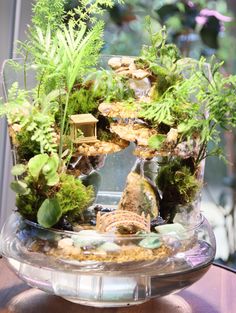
204	14
212	24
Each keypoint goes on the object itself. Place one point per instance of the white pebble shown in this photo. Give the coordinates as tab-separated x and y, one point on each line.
65	242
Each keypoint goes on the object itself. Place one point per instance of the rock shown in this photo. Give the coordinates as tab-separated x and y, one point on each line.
115	63
156	222
87	238
172	136
102	147
139	196
105	108
72	251
98	208
133	132
93	222
173	229
187	149
132	67
117	110
144	152
141	87
140	74
110	247
122	69
126	61
125	71
65	242
152	241
64	224
107	210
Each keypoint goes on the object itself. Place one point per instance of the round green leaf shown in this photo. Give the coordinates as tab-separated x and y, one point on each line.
51	165
19	187
49	213
52	179
36	164
18	169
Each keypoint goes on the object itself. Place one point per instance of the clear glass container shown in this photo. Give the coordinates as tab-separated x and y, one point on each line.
112	269
107	270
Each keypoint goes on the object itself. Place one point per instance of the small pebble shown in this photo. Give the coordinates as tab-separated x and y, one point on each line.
87	237
107	210
65	242
175	229
93	222
126	61
73	251
64	224
156	222
98	208
109	247
115	63
152	241
140	74
87	248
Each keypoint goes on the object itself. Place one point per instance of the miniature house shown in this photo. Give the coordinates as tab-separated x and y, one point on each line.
83	128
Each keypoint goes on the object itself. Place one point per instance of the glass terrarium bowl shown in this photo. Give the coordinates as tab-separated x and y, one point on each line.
111	269
108	270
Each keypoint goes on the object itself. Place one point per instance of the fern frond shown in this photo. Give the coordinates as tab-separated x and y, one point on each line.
89	10
47	13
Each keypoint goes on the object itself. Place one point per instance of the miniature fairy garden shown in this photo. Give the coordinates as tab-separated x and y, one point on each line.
168	107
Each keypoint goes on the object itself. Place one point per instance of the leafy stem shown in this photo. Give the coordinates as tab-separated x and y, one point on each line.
62	128
25	75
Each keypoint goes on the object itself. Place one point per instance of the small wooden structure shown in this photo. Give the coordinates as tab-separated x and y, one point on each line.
108	221
83	128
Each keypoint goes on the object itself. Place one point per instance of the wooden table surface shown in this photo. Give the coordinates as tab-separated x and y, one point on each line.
214	293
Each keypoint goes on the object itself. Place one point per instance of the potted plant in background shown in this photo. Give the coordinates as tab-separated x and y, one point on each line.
63	240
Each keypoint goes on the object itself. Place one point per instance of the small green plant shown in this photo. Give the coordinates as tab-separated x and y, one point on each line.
195	99
184	104
44	194
73	197
108	87
175	180
39	178
35	122
48	13
179	186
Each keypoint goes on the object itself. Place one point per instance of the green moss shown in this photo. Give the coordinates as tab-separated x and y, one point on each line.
179	187
27	147
177	183
104	135
29	204
165	79
108	86
73	197
81	101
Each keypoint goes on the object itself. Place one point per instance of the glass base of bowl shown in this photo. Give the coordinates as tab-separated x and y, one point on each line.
106	290
36	256
105	304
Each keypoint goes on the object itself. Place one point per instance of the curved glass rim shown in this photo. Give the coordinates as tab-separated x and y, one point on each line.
187	230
